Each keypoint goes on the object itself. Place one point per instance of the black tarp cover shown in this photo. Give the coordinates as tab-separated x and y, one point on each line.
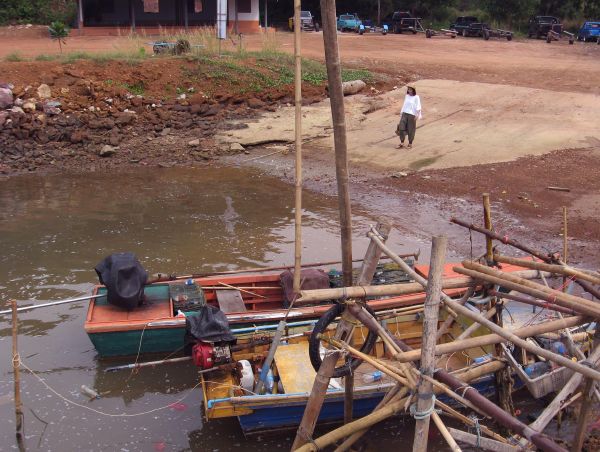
209	324
124	278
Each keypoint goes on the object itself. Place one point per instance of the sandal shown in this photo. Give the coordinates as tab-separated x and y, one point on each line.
409	145
400	146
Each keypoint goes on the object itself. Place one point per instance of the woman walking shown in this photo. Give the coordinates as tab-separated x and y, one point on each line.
411	111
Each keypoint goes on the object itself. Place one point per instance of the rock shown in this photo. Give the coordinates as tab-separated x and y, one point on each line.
44	91
195	142
237	147
6	98
105	123
136	101
3	117
353	87
114	139
7	85
17	110
107	150
51	108
198	108
29	107
253	102
212	111
77	137
124	119
164	132
64	91
399	174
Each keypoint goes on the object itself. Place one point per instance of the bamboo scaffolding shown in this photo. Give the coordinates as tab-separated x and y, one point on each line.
546	257
395	406
551	268
491	339
513	282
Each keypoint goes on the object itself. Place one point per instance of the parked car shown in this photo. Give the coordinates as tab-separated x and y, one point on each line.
462	23
539	26
348	22
367	26
590	31
307	21
478	29
400	21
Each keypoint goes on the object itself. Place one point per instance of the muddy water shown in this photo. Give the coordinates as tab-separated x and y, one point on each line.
53	231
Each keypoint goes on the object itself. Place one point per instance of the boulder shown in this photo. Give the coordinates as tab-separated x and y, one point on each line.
353	87
195	142
44	91
253	102
17	110
237	147
6	98
107	150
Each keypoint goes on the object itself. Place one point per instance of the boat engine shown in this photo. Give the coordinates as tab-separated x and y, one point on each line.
206	355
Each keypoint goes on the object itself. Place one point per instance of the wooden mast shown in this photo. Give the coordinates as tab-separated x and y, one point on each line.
298	141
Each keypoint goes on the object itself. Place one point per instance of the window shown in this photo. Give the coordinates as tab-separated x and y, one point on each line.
244	6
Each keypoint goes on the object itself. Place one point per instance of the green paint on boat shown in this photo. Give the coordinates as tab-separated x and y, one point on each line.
123	343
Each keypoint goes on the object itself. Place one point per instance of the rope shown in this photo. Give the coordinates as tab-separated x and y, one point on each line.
477	427
72	402
420	415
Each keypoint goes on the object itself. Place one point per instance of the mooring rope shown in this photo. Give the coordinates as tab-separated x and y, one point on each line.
420	415
72	402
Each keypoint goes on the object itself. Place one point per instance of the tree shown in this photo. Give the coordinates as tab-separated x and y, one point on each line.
512	11
59	31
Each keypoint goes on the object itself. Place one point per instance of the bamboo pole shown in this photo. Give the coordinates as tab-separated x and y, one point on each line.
365	276
445	326
16	368
314	403
565	245
551	268
558	359
532	302
298	146
338	116
432	306
487	223
318	295
586	406
482	443
579	304
490	339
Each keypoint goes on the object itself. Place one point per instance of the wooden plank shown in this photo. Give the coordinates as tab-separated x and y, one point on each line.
295	369
482	443
230	301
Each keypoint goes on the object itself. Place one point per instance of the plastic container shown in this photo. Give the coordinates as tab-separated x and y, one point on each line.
89	392
372	377
537	369
247	381
559	348
483	359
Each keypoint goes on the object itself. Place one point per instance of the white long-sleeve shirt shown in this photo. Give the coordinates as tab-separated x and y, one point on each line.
412	105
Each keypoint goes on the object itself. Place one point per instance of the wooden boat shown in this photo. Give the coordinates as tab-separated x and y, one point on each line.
283	408
158	327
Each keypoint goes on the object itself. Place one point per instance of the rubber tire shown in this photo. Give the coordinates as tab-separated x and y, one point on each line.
464	33
548	39
414	32
509	37
428	33
486	35
316	26
571	41
314	344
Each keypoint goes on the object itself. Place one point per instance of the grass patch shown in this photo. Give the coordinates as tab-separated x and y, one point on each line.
137	88
44	57
13	57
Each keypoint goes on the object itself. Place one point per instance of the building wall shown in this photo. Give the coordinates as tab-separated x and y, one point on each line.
247	22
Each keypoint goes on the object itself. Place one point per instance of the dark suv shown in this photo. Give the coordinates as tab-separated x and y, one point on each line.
400	21
462	25
540	26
